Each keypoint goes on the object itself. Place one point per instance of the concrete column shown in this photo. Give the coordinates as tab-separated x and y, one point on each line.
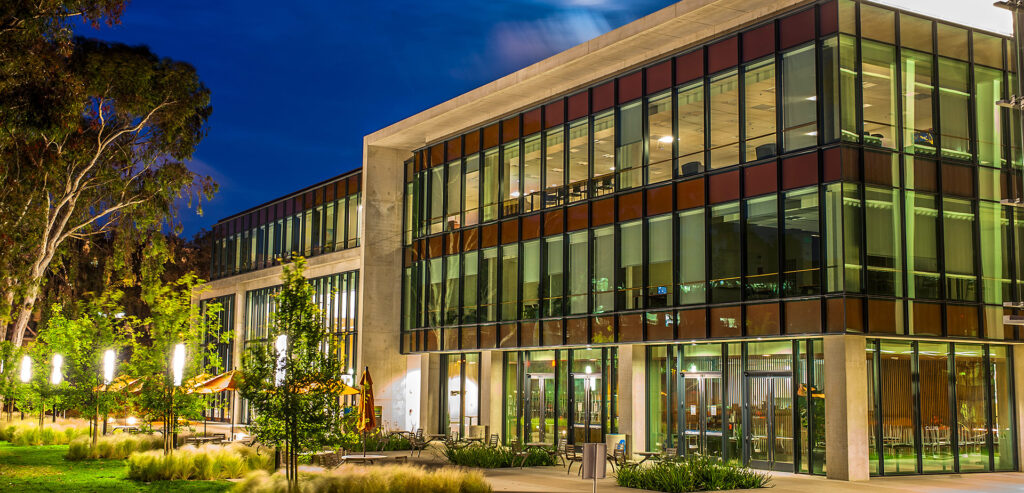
430	392
413	392
632	402
490	391
1018	378
380	276
237	350
846	404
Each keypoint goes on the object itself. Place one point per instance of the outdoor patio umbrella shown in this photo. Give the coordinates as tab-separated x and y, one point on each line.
227	381
367	419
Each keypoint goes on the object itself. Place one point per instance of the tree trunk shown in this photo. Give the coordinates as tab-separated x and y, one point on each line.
25	310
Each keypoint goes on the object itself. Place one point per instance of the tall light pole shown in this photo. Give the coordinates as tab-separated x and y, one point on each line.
26	374
56	377
177	368
109	360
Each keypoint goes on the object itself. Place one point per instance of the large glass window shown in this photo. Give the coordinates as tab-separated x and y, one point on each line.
490	200
454	191
972	421
488	285
452	304
936	422
988	88
471	199
531	174
692	276
953	109
918	89
799	99
435	291
922	245
509	281
510	179
882	235
849	75
659	137
579	159
531	279
554	276
762	248
802	236
579	280
659	261
759	109
629	150
958	249
879	93
603	171
631	265
470	286
436	199
604	270
690	122
725	120
1003	446
724	232
554	167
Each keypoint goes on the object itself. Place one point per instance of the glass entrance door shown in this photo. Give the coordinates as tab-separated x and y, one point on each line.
540	408
702	410
586	387
769	438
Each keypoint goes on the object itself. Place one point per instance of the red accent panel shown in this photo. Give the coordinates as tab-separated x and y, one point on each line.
604	212
828	18
800	171
554	113
604	96
579	105
630	87
631	206
759	42
690	194
659	200
690	66
796	29
531	121
454	148
659	77
724	187
510	129
760	179
723	54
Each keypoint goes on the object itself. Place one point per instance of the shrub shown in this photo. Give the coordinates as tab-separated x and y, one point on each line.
375	441
206	462
377	479
117	446
487	457
693	473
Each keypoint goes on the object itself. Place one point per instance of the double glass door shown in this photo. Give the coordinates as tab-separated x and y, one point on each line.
769	439
586	387
701	408
540	408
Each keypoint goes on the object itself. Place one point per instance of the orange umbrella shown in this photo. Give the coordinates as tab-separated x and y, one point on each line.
225	382
193	384
367	419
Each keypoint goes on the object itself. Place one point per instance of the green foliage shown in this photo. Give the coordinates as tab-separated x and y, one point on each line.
117	446
206	462
694	473
376	479
27	433
301	410
490	458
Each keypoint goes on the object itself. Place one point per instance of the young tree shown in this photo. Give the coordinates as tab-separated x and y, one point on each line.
291	380
100	325
174	320
94	137
10	356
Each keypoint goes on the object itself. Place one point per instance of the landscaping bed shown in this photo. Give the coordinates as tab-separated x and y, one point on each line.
489	458
691	474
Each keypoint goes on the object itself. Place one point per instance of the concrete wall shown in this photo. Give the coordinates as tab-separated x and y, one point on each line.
846	394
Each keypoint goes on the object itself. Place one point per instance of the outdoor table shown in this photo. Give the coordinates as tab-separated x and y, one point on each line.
436	436
362	458
202	440
127	429
537	445
474	439
647	456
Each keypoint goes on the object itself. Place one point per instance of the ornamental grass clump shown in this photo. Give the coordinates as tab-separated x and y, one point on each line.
374	479
490	458
117	446
26	434
206	462
694	473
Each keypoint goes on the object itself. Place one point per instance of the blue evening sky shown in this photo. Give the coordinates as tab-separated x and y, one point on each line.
297	84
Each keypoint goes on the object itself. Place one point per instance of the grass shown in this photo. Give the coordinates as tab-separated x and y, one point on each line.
118	446
691	474
490	458
43	468
375	479
206	462
27	432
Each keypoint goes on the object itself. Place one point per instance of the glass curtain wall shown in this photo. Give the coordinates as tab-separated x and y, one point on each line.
218	405
938	407
460	384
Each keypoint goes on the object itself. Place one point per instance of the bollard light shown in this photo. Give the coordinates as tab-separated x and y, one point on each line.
26	369
55	375
108	366
178	363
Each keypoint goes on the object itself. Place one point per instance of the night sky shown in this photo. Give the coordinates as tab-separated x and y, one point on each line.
296	85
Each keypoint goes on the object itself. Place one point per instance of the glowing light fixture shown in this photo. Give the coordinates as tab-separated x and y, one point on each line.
55	375
666	139
26	369
178	363
108	366
131	421
281	344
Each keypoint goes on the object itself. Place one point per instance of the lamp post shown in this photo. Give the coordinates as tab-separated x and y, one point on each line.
109	361
56	377
177	368
26	374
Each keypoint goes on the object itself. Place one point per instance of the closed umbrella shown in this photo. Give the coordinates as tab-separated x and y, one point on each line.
367	419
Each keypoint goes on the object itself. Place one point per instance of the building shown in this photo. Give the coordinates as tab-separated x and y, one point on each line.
779	232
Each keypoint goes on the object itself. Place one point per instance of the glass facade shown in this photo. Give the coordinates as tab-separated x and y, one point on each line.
460	386
321	219
938	407
218	405
760	404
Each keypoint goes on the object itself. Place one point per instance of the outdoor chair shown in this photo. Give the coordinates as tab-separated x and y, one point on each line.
559	451
520	453
493	441
618	456
417	443
573	454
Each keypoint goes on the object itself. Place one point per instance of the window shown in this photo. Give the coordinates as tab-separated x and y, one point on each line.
922	245
554	276
579	279
435	289
436	199
631	265
918	129
354	231
454	191
509	281
882	236
490	204
451	290
849	74
995	248
471	199
724	232
554	167
953	109
879	93
759	110
802	236
690	121
988	88
510	179
958	249
531	174
659	261
603	172
830	82
799	99
659	138
692	277
579	159
602	282
531	279
470	287
725	120
762	248
488	285
630	147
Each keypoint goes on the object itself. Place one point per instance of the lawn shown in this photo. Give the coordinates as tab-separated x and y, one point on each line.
44	469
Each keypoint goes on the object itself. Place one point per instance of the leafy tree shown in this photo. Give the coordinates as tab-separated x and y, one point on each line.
292	393
82	340
10	358
94	137
174	319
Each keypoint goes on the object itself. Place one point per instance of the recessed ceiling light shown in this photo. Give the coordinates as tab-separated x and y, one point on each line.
666	139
